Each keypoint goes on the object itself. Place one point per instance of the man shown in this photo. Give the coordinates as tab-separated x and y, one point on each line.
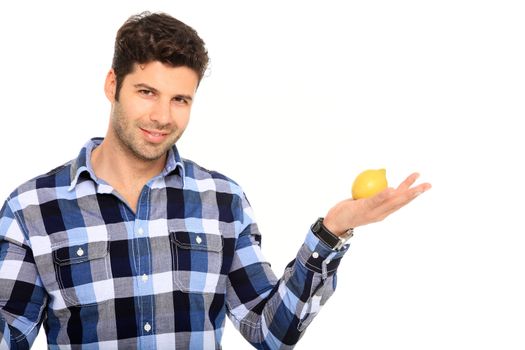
131	246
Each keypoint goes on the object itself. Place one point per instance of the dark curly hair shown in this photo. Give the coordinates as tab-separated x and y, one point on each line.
148	37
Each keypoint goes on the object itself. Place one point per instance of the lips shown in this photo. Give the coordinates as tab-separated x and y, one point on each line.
154	136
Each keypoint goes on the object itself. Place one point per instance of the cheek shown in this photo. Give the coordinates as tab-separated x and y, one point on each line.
182	119
118	117
136	109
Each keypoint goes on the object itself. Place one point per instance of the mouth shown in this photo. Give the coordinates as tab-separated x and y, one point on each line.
154	136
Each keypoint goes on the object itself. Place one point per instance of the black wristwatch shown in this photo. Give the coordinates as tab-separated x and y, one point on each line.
333	241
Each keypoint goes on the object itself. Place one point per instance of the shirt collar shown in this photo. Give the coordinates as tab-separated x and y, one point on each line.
81	166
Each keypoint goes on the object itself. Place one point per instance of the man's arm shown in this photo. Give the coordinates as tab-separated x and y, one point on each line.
273	313
22	297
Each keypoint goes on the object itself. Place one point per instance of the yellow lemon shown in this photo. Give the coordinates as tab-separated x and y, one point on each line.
369	183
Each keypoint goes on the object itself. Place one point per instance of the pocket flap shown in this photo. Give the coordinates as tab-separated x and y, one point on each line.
197	240
77	253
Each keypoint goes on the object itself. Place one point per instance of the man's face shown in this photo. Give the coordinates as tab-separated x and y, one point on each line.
153	108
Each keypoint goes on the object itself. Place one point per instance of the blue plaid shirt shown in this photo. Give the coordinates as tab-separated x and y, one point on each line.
75	257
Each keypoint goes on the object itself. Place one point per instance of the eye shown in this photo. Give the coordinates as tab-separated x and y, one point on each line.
146	92
181	100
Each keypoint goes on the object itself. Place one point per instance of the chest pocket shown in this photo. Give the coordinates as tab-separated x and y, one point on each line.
82	272
197	261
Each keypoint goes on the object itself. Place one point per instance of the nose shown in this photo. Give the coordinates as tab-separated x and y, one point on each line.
161	112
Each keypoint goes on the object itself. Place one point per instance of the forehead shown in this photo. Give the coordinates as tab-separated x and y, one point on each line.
163	77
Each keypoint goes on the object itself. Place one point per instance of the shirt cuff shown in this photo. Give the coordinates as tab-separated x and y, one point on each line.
317	257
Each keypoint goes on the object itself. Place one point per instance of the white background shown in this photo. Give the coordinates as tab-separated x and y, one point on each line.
302	96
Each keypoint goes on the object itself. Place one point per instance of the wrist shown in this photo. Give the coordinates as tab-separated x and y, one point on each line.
331	226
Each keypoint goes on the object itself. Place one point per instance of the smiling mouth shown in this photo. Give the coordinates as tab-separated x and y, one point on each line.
154	136
154	133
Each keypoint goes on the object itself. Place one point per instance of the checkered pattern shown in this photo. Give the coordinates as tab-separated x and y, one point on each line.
99	276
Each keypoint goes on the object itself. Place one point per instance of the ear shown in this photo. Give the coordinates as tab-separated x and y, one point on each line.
110	85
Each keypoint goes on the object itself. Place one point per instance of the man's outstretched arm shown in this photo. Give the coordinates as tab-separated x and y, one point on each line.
273	313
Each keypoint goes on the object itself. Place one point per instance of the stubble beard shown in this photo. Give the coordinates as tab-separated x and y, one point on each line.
131	143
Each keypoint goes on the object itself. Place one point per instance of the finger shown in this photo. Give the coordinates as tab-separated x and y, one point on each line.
409	181
395	200
403	198
381	197
421	188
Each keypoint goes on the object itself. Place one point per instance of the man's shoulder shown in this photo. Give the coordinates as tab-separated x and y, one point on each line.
200	175
49	181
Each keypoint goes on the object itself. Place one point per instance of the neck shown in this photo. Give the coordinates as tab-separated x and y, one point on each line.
119	167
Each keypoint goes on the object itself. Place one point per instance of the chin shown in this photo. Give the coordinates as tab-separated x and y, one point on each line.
156	154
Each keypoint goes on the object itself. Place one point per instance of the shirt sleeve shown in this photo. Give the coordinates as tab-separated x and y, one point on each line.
22	297
273	313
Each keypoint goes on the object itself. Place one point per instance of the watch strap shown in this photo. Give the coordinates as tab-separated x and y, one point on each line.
333	241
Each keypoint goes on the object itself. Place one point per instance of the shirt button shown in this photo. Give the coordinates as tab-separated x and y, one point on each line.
198	239
140	231
315	255
145	278
80	252
328	261
147	327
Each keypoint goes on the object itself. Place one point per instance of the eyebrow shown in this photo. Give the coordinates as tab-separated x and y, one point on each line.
151	88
